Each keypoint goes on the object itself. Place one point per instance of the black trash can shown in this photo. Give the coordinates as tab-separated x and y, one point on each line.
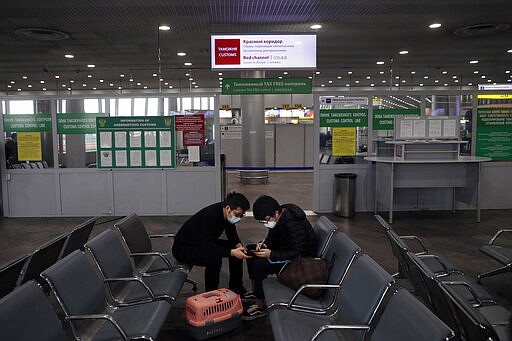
345	194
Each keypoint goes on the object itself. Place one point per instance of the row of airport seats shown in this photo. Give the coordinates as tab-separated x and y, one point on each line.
500	252
28	267
28	165
360	300
458	300
98	293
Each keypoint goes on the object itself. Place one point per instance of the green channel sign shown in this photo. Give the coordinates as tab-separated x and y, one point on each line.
339	118
494	133
77	123
256	86
28	123
384	119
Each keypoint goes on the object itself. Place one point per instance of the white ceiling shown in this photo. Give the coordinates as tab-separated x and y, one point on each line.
120	37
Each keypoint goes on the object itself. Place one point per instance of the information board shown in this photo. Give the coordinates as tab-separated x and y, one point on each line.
77	123
251	86
494	133
423	128
344	141
343	118
263	51
383	119
29	146
28	123
135	142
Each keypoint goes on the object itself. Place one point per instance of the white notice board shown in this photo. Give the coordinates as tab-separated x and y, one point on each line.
421	128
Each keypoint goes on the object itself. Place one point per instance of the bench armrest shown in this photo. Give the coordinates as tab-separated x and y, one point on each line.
445	268
162	235
293	306
420	242
323	329
467	286
154	254
497	234
131	279
101	317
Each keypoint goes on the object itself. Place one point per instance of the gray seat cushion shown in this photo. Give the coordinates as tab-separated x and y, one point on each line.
499	253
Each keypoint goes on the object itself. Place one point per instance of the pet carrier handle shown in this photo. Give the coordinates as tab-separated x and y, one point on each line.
210	295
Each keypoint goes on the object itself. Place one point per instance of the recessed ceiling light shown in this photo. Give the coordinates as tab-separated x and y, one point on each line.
285	73
473	62
220	73
475	72
509	51
139	84
434	25
29	86
349	72
413	72
357	82
154	75
187	64
221	78
445	72
161	79
318	72
421	84
445	84
111	84
403	52
187	74
131	79
191	79
322	84
170	86
372	84
94	88
368	77
310	77
347	85
24	77
121	75
91	65
18	89
508	71
145	86
383	81
381	72
71	81
9	86
339	77
42	82
57	76
483	76
470	84
84	84
436	81
454	76
330	82
181	54
380	62
164	27
426	77
12	82
64	85
280	77
44	89
69	56
101	80
316	26
89	76
456	81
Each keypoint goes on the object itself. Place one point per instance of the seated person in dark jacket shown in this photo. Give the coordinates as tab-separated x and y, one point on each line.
197	242
289	234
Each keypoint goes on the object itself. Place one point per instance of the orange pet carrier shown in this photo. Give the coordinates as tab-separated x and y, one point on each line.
213	313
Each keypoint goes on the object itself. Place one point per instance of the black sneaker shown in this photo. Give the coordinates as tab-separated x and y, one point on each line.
248	296
253	312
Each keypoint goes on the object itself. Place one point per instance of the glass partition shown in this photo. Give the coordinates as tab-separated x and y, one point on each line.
343	129
28	134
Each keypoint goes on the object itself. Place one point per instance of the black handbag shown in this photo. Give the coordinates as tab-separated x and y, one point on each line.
306	270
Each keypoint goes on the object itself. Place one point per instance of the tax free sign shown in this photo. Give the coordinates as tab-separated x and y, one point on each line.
243	52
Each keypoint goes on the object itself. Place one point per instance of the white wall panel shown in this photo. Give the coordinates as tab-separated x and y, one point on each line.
140	191
190	190
86	193
32	193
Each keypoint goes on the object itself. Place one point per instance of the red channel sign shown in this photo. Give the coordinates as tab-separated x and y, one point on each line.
227	51
192	127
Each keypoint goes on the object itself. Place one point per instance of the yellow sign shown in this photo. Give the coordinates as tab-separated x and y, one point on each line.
225	106
297	106
344	141
495	96
29	146
285	106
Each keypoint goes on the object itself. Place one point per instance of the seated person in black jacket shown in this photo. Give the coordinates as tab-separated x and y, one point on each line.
289	234
197	242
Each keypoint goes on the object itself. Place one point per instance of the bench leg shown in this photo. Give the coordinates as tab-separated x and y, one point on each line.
498	271
194	283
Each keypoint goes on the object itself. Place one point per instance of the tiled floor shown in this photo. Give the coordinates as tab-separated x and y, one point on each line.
455	235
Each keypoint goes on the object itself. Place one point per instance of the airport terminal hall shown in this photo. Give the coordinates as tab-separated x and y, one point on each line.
247	170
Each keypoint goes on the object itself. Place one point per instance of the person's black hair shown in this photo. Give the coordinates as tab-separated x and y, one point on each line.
265	206
13	135
235	200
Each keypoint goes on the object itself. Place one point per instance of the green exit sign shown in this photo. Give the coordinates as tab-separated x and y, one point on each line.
254	86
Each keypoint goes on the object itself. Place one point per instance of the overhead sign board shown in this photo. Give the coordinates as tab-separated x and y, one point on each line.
251	86
258	51
494	86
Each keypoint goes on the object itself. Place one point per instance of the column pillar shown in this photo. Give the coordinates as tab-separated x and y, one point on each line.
75	143
253	133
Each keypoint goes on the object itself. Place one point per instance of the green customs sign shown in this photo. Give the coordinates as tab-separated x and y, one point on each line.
77	123
135	142
343	118
28	123
254	86
383	119
494	133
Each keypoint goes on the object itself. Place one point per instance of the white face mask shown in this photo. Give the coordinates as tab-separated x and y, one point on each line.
234	219
270	224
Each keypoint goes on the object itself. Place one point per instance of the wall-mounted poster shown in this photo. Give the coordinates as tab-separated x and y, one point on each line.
135	142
